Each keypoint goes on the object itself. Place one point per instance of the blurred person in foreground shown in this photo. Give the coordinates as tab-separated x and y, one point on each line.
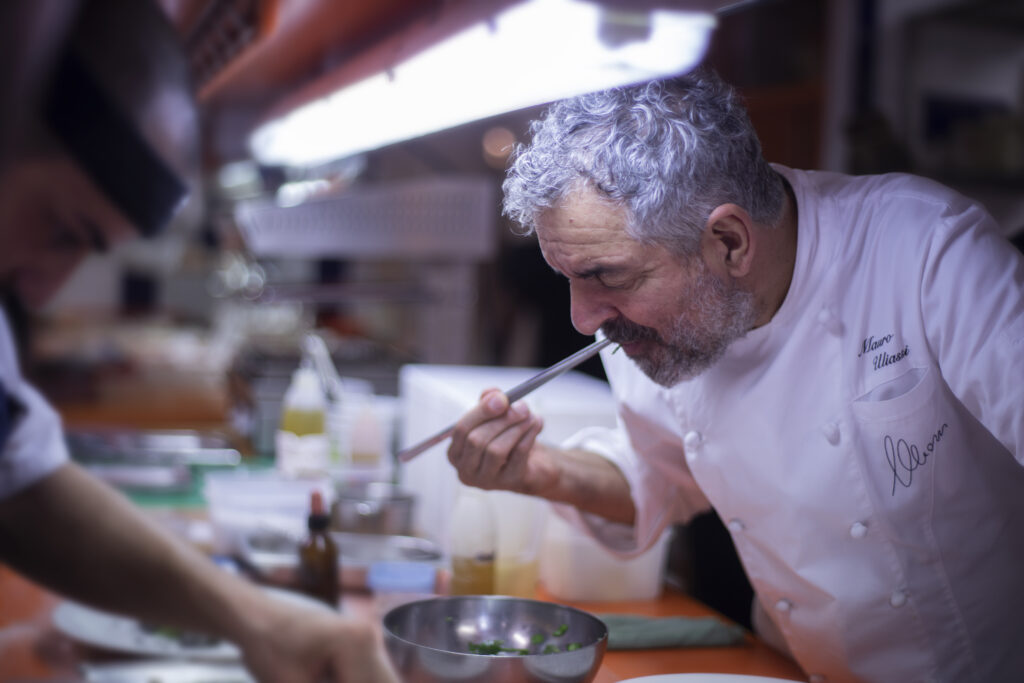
106	145
833	363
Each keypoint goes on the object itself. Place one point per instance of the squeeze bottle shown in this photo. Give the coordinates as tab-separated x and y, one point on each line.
302	444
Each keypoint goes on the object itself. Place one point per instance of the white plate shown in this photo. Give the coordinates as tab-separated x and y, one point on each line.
125	634
705	678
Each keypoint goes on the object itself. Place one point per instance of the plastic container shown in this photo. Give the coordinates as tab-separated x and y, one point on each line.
520	524
575	567
396	583
473	544
246	500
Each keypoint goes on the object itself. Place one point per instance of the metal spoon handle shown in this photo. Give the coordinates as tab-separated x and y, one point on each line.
514	394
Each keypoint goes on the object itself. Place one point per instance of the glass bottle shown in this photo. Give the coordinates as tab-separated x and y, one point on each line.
318	556
473	544
302	445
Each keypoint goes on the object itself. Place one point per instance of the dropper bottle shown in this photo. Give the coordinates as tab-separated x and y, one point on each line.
318	556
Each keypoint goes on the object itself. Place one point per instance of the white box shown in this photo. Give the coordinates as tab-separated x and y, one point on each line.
576	566
434	396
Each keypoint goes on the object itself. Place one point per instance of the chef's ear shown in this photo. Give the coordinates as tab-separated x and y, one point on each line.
727	243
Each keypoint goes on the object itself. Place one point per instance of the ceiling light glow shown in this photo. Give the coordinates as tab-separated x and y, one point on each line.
532	53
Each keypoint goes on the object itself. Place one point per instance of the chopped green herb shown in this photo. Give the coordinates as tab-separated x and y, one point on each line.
551	649
572	646
560	631
538	638
494	647
486	648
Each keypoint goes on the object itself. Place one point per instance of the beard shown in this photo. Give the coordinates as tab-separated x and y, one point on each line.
721	315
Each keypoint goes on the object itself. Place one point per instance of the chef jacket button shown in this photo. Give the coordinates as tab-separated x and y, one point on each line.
831	432
783	605
816	678
898	598
858	530
691	443
828	320
736	525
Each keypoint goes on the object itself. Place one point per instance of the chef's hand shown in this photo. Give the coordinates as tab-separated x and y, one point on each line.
289	644
494	446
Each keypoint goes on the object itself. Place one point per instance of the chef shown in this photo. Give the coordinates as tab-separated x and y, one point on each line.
833	363
108	158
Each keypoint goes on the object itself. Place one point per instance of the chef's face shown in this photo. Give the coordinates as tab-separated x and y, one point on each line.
672	316
51	217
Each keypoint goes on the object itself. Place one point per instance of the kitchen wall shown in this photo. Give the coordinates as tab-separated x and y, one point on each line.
841	85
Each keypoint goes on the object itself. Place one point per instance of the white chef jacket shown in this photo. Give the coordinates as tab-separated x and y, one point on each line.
31	440
864	448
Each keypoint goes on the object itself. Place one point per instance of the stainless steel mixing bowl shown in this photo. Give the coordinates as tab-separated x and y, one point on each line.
430	641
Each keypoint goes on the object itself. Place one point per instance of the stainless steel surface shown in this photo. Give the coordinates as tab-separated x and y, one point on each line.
373	508
428	641
165	671
514	394
274	556
151	447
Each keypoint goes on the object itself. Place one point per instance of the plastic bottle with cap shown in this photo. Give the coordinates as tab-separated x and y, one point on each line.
302	444
473	544
318	556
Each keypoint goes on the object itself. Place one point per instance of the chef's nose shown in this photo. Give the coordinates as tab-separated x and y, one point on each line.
587	309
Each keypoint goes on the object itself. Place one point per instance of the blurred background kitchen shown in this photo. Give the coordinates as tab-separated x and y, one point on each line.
170	359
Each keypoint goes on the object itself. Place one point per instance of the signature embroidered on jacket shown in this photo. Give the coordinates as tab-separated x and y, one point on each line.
904	457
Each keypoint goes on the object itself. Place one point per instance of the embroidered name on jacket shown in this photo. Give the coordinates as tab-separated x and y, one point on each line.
882	356
904	457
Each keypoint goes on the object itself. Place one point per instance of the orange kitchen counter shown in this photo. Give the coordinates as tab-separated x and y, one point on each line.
31	649
751	658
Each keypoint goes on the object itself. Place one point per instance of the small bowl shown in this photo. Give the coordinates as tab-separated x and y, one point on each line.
432	641
374	508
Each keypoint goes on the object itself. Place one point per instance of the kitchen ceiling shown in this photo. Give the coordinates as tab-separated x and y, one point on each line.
249	55
251	58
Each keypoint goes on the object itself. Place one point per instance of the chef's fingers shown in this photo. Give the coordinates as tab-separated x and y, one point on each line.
498	451
486	409
477	429
515	473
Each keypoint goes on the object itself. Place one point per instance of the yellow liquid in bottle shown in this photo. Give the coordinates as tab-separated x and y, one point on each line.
472	576
302	422
516	577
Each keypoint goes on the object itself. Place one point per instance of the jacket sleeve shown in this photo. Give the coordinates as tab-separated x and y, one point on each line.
646	447
32	439
972	302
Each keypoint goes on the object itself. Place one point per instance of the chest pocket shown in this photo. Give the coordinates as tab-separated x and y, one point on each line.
909	433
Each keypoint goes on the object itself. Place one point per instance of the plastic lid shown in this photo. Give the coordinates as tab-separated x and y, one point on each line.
401	577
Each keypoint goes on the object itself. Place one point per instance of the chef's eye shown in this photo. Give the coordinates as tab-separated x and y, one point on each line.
78	236
66	238
614	282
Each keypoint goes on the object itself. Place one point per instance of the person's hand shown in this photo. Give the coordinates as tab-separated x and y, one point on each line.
290	644
494	446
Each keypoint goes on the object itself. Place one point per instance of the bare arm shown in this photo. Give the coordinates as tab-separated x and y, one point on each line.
495	446
84	540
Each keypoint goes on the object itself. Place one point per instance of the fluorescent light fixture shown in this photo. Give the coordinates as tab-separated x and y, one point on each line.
529	54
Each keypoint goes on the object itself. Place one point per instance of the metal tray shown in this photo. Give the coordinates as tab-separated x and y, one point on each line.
275	555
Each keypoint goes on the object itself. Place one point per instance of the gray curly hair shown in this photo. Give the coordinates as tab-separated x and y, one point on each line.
670	151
